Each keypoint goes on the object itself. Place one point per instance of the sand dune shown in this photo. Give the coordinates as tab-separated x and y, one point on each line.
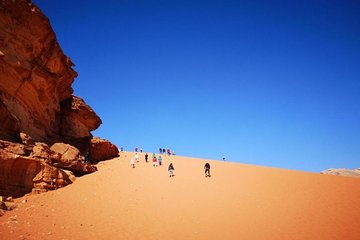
239	201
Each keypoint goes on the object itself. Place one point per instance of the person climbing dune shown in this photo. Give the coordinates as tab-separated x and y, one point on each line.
155	161
132	162
171	170
160	160
207	170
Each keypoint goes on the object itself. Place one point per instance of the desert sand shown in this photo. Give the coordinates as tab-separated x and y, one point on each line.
239	201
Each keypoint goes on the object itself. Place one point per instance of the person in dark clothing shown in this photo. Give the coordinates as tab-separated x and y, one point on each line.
87	158
171	170
163	150
207	170
146	157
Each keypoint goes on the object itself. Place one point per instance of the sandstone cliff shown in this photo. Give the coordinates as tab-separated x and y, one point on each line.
36	78
37	106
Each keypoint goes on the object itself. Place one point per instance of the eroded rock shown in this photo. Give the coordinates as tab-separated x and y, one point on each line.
35	75
78	118
71	159
37	107
102	149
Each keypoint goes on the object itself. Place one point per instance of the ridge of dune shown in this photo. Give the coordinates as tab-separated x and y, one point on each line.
239	201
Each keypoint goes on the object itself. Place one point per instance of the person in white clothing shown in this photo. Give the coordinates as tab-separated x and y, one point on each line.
132	162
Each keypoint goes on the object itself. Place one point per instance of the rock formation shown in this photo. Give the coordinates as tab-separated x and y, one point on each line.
77	118
23	171
36	77
342	172
37	108
70	159
6	204
101	149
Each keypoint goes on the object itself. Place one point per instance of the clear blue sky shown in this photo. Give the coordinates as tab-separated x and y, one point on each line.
274	83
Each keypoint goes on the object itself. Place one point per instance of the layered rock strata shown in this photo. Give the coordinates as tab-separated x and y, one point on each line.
38	108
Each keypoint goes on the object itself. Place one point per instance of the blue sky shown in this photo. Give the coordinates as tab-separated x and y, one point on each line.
272	83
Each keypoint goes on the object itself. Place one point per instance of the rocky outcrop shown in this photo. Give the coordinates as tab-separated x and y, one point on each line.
77	118
35	80
343	172
37	108
102	149
6	204
20	174
35	74
71	159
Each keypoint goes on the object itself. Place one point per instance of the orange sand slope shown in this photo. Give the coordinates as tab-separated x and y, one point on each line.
238	202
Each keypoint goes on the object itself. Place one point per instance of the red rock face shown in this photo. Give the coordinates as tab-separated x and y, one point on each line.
20	174
35	75
77	118
37	107
71	159
102	149
36	78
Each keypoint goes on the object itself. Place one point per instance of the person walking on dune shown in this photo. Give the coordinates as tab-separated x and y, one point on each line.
155	161
136	157
207	170
132	162
160	160
146	157
171	170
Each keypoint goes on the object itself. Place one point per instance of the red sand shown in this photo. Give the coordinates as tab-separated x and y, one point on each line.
238	202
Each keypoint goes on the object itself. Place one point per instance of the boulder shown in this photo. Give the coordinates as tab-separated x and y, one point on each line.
78	118
42	151
71	159
51	178
15	148
26	139
29	171
102	150
10	206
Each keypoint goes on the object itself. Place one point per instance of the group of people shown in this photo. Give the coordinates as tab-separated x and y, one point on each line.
138	149
157	161
167	151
